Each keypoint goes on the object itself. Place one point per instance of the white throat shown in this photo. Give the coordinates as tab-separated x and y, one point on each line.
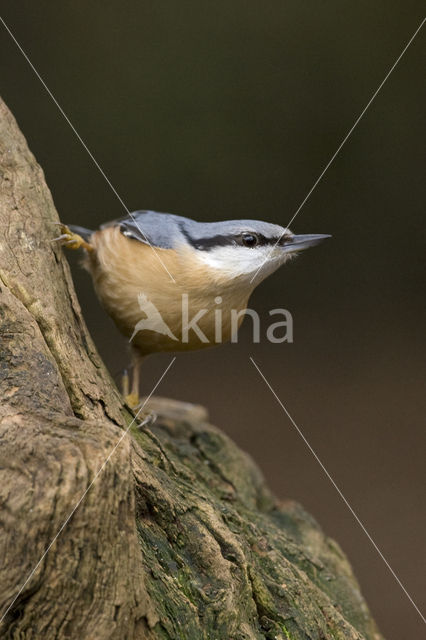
236	262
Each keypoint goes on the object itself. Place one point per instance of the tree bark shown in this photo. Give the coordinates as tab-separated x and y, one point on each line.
178	536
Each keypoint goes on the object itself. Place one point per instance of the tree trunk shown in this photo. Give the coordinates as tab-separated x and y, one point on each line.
178	536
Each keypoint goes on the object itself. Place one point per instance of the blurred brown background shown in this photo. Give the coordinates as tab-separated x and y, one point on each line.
231	110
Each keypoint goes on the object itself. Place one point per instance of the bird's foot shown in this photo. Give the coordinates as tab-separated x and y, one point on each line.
71	240
132	400
145	419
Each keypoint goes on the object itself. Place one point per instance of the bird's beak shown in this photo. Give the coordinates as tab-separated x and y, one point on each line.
301	242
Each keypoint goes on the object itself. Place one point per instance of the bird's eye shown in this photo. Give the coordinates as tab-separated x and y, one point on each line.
249	239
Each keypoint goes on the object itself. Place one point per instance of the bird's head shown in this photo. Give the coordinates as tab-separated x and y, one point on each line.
247	250
244	251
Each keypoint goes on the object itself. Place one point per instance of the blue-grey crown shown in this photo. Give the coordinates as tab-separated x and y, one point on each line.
167	231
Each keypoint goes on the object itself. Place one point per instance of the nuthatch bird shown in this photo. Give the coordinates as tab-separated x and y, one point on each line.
145	264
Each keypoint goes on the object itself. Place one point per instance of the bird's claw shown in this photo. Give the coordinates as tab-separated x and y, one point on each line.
69	239
147	420
132	400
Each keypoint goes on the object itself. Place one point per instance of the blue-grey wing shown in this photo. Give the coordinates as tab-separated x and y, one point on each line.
160	230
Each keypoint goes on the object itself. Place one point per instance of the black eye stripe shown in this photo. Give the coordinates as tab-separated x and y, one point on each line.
205	244
212	242
261	240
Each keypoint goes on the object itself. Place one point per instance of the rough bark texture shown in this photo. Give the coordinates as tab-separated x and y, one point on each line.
178	537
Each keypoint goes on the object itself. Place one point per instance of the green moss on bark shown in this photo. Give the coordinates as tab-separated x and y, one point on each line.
224	559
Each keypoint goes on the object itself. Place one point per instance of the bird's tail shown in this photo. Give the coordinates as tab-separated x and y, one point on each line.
81	231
